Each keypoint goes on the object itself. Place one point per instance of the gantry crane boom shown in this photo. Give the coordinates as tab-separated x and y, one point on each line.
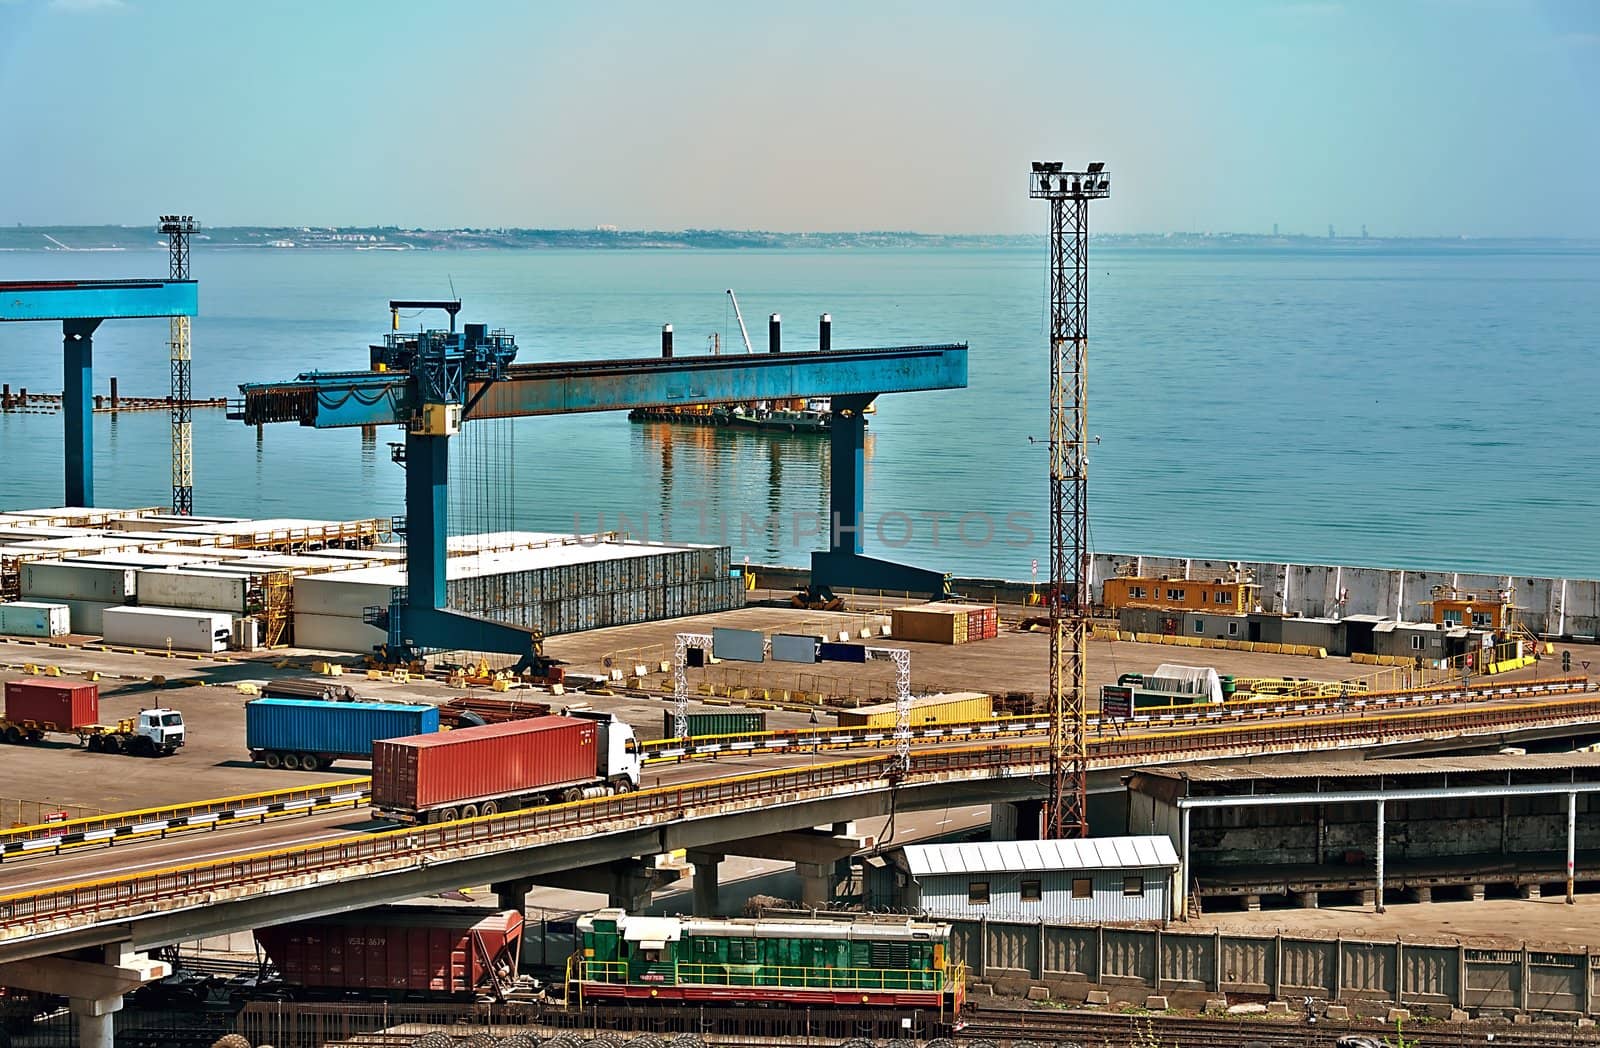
737	315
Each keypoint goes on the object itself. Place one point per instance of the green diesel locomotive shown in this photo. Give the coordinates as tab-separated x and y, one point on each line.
899	962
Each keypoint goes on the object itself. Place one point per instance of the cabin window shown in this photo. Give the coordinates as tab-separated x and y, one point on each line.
978	893
1416	643
1233	629
1174	594
1481	618
1452	618
1031	891
1199	625
1222	597
1136	592
1082	888
1132	886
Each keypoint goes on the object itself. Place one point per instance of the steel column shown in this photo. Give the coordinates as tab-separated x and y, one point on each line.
1377	897
1183	863
847	435
77	408
1572	842
427	506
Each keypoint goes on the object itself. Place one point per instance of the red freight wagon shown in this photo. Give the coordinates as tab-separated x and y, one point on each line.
498	767
60	704
399	951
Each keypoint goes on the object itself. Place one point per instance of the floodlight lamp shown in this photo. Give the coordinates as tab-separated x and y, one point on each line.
1105	183
1096	168
1037	167
1053	167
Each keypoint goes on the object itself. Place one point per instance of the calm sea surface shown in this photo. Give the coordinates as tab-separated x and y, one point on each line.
1394	406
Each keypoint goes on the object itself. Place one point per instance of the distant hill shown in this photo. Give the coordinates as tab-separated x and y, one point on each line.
396	238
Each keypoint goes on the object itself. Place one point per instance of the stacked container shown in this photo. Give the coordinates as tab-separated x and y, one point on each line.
956	707
722	722
24	618
945	622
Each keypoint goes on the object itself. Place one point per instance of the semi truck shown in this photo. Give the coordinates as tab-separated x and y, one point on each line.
310	734
500	767
37	707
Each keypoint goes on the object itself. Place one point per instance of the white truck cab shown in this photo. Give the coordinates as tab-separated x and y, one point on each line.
619	762
163	728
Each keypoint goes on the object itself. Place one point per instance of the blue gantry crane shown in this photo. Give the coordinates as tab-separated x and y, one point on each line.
80	306
432	382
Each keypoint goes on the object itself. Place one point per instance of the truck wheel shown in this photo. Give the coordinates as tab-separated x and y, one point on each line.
111	744
143	747
309	763
13	734
291	761
622	786
273	760
449	815
469	811
95	744
571	795
490	808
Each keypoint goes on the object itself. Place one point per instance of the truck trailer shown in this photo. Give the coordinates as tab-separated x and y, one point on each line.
500	767
310	734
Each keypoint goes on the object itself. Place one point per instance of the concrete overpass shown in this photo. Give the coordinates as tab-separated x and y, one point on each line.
775	812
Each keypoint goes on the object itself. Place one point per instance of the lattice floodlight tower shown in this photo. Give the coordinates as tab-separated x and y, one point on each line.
178	229
751	646
1069	193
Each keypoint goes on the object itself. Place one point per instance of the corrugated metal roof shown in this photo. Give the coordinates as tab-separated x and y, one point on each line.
1095	853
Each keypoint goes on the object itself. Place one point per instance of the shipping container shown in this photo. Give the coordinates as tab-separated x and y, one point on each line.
168	588
106	583
721	722
477	765
945	622
206	631
64	704
26	618
312	734
399	951
957	707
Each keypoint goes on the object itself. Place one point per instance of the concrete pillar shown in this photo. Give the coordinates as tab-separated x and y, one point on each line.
512	895
1305	900
1421	894
1529	891
96	1020
706	887
1476	892
816	883
1252	903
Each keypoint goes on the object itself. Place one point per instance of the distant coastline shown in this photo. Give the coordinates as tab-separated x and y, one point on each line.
398	238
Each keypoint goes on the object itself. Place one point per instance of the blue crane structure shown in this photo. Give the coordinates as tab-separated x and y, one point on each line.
80	306
432	381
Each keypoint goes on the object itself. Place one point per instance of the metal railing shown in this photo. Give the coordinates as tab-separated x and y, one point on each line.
122	897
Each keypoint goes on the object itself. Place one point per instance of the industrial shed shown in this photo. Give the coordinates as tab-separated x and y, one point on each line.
1102	879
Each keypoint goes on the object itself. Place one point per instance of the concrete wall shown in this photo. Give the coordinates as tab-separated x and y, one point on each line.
1550	606
1132	962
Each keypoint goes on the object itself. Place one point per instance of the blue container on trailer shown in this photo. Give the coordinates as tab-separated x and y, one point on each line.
329	730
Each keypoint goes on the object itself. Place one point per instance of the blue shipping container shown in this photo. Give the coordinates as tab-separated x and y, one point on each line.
330	729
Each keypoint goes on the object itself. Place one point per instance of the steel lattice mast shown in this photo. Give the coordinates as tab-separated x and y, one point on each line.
1069	192
178	229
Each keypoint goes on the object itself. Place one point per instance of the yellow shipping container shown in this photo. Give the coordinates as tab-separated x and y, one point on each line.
956	707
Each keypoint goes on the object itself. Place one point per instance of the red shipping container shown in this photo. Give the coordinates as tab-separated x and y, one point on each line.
65	704
471	765
398	950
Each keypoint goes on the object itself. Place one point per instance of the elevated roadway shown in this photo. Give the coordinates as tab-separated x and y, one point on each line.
209	885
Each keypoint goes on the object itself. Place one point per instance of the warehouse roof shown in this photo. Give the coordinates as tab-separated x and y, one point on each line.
1094	853
1368	769
506	562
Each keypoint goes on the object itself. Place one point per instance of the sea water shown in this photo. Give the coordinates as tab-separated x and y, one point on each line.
1390	404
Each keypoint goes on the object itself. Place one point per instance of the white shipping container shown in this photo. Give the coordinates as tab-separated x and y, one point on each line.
24	618
336	633
76	581
168	588
333	594
156	628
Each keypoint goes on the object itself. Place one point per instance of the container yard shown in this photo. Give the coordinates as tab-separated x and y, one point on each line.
143	579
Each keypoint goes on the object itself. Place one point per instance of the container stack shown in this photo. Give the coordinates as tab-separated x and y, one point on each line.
719	722
945	622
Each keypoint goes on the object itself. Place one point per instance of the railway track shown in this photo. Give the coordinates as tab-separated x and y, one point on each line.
1015	1028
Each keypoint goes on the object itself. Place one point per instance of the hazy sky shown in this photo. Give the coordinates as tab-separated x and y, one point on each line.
1411	116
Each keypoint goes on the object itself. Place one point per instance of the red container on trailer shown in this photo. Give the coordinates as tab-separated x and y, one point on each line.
399	950
475	764
65	704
